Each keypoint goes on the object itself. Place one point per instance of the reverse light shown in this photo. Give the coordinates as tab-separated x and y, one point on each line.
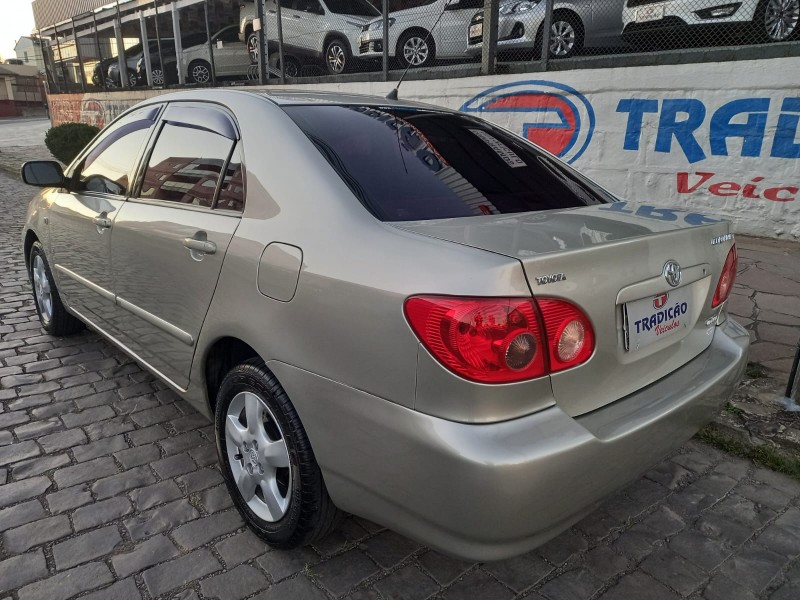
501	340
726	279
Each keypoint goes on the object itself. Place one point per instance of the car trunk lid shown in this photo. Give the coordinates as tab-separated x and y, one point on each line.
610	261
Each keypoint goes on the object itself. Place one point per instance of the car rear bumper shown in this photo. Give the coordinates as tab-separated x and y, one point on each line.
490	491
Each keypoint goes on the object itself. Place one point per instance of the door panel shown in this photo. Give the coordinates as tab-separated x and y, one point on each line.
164	288
451	33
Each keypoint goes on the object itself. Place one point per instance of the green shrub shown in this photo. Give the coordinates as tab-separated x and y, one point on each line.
67	140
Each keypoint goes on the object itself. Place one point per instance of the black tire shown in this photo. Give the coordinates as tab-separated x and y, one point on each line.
310	514
200	72
766	34
337	56
133	79
560	18
423	40
60	322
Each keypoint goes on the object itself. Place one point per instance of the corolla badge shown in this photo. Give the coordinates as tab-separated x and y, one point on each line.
672	273
550	114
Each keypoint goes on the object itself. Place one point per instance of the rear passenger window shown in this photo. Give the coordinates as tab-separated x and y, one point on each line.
185	165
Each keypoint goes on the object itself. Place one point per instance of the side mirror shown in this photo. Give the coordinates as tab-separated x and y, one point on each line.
43	173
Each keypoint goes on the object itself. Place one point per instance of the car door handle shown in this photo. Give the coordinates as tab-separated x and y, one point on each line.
272	12
203	246
103	222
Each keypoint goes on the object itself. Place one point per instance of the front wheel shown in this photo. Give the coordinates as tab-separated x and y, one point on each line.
416	49
566	36
267	461
337	57
54	317
253	44
777	20
200	72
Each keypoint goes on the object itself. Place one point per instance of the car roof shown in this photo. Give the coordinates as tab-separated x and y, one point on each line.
282	97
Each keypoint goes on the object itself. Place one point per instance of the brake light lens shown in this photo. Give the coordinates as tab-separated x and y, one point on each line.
726	279
501	340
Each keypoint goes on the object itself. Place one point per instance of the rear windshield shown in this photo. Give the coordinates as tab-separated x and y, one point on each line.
412	165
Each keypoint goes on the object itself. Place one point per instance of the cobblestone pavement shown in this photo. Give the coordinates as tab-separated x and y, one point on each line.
109	488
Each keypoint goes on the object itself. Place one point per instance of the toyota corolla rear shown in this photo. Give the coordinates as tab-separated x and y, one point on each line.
531	402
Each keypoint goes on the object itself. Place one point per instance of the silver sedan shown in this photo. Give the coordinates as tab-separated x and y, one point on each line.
390	309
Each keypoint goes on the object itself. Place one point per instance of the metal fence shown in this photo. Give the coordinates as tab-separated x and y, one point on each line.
165	43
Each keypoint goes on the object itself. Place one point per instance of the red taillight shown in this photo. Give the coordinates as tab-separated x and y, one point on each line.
500	340
726	279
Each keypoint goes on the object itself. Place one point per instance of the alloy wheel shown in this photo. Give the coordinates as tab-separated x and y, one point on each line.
258	456
780	19
201	74
158	77
252	47
336	58
41	289
562	38
416	51
132	79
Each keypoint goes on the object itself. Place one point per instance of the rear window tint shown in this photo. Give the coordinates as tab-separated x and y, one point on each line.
411	165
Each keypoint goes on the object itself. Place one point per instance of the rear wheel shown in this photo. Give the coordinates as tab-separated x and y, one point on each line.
416	48
267	461
253	46
158	76
200	71
54	317
777	20
337	57
566	35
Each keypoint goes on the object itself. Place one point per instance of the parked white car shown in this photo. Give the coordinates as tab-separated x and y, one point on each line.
415	37
321	29
231	58
769	20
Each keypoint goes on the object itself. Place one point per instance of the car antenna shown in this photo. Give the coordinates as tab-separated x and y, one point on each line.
392	95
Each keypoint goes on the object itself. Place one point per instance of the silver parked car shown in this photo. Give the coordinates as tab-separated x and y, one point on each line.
390	309
576	24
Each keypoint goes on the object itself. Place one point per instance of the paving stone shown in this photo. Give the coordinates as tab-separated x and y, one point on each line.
178	572
237	583
603	562
160	519
764	495
140	455
202	531
189	422
342	573
216	499
240	548
29	402
147	435
19	451
132	405
782	482
25	537
99	467
184	441
100	448
204	455
122	482
11	493
39	465
21	570
86	547
519	573
54	409
389	548
280	565
199	480
62	440
701	494
636	586
150	552
115	426
444	569
699	549
10	419
664	521
744	511
96	399
139	389
37	429
158	493
674	571
753	567
722	588
98	513
69	498
155	415
299	588
408	582
68	583
121	590
174	465
560	549
21	514
90	415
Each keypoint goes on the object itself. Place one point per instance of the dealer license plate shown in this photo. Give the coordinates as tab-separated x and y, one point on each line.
649	13
475	31
654	318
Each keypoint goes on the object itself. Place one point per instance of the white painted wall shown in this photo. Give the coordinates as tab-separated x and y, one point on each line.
737	158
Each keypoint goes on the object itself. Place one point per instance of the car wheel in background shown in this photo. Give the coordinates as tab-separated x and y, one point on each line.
337	57
133	79
54	317
566	35
292	68
416	48
111	83
199	71
158	76
253	46
777	20
267	461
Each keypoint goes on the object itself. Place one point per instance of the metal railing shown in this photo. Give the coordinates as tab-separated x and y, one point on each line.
165	43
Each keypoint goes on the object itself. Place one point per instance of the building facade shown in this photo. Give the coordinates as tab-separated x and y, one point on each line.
29	50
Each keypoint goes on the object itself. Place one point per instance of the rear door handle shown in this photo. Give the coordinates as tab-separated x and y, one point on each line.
203	246
103	222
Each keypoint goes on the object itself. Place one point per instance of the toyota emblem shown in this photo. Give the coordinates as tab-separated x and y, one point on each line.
672	273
